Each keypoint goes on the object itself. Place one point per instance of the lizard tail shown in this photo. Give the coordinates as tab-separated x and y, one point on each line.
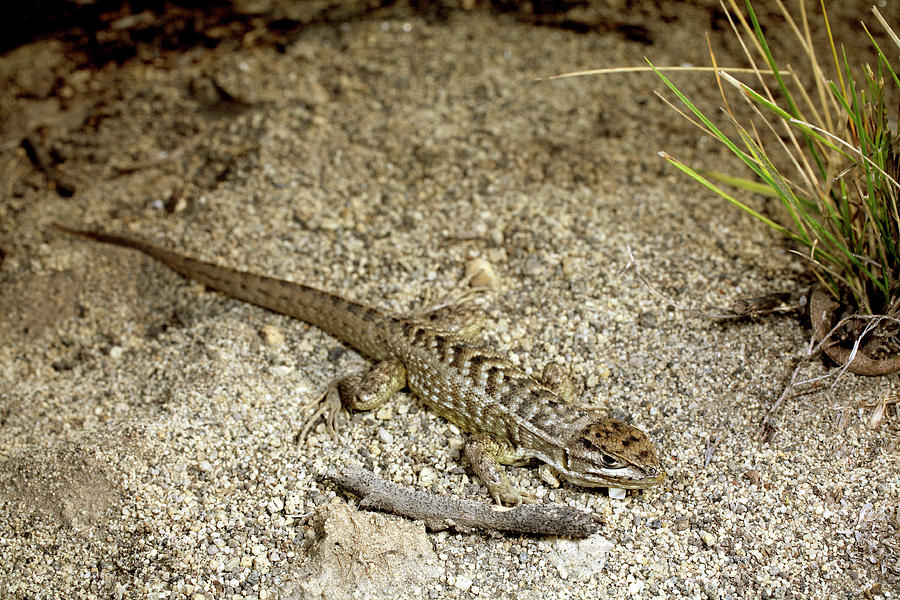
357	325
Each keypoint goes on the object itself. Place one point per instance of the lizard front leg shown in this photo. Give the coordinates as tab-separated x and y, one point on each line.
485	453
559	382
463	320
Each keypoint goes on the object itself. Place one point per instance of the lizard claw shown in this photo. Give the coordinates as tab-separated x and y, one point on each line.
507	497
328	407
548	475
512	496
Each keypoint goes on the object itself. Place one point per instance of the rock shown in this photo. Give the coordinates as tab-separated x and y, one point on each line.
358	554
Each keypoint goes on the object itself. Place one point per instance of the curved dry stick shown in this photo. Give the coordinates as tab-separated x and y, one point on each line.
821	312
443	512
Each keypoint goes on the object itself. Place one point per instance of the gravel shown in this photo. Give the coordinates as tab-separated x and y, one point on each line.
147	425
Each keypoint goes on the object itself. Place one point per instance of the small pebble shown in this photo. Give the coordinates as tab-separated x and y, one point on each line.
480	273
232	564
275	505
464	582
427	476
283	370
647	320
385	436
272	335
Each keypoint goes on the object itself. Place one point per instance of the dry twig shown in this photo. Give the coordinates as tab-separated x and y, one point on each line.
443	512
740	309
776	303
815	348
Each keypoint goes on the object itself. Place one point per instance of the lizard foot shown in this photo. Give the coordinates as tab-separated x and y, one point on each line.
559	381
483	453
548	475
328	407
356	392
510	495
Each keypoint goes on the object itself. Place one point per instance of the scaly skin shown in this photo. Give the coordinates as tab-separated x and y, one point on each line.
512	417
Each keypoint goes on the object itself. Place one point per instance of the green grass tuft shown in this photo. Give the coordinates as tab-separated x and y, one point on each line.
838	185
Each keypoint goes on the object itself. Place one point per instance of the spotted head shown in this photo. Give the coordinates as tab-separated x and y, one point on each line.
610	453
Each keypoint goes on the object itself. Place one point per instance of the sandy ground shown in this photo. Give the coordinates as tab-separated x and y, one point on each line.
147	425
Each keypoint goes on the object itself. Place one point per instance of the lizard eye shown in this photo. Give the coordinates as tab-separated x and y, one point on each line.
611	462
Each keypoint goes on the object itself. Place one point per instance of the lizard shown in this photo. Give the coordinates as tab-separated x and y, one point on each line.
512	418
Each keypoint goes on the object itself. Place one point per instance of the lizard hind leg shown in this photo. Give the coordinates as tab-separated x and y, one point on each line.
374	388
357	392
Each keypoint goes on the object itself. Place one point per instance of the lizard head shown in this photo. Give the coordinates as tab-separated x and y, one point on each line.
610	453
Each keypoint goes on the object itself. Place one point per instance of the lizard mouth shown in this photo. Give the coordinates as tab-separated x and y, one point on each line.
628	477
